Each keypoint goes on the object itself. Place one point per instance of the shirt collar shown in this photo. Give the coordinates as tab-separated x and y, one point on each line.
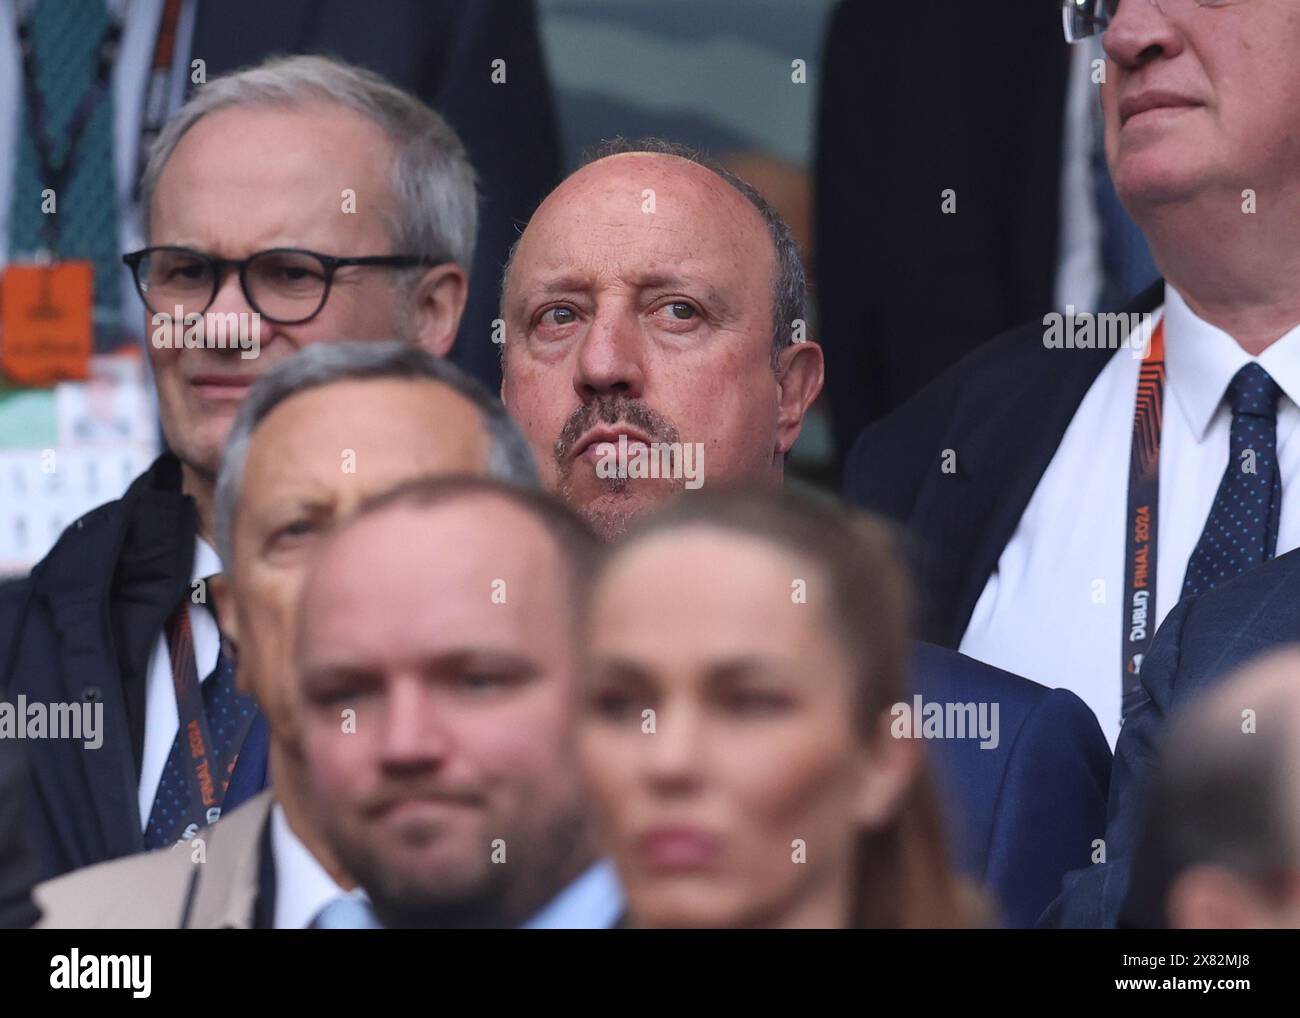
302	887
593	901
1201	359
206	561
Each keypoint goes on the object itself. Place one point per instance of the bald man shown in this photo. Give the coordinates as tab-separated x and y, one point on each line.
655	334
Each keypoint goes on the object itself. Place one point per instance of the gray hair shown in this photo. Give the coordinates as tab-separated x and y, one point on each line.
790	288
433	184
321	364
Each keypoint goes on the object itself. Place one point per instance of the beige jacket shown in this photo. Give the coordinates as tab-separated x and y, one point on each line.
167	889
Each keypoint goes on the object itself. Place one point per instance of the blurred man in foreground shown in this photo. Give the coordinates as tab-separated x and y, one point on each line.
437	654
318	434
1220	847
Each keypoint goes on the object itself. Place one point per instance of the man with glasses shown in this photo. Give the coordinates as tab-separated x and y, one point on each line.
313	202
1068	495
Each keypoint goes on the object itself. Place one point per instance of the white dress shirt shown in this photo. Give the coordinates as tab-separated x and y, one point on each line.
302	887
161	715
1052	610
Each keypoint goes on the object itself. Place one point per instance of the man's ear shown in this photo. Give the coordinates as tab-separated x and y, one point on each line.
440	299
800	372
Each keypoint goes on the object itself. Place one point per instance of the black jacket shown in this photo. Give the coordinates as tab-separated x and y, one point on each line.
80	629
17	866
1002	411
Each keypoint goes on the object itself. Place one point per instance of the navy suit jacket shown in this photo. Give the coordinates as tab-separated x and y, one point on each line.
1024	813
1202	640
80	629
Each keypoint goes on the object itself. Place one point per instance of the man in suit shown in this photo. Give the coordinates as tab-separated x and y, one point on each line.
116	613
635	330
1064	493
437	658
318	434
1220	842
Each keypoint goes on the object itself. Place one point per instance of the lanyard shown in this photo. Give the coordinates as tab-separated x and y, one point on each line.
1141	522
207	774
57	173
154	112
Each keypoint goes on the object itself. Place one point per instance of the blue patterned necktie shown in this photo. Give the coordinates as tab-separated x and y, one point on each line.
1241	530
349	912
228	714
66	36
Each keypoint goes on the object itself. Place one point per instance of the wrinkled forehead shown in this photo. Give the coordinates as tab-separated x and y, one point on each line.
635	215
264	169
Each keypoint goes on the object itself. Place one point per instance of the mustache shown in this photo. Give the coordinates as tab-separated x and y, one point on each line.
395	793
613	410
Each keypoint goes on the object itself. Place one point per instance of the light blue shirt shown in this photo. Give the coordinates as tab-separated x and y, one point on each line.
594	901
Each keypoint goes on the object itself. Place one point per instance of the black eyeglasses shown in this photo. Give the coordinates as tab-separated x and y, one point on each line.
1084	18
285	285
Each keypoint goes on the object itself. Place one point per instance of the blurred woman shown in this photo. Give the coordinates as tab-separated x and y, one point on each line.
745	649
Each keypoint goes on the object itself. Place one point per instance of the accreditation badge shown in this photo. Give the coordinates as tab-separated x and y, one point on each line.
46	325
